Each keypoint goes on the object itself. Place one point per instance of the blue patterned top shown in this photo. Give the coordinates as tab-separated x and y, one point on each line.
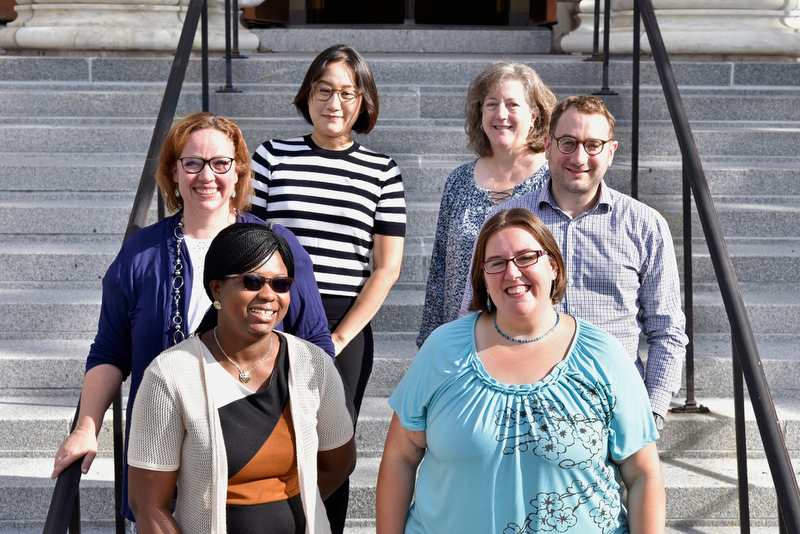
462	212
517	459
621	276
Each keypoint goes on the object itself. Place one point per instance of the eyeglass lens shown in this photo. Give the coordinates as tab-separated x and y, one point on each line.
324	93
526	259
568	145
193	165
254	282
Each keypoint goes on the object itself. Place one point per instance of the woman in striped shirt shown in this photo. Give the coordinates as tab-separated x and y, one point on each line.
344	203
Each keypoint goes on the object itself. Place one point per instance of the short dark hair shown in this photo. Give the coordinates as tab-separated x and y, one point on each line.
173	145
238	249
535	226
365	82
587	105
539	97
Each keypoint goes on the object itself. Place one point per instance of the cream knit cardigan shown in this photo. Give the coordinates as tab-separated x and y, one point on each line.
175	426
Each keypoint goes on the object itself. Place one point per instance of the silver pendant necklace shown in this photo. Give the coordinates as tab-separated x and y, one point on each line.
244	376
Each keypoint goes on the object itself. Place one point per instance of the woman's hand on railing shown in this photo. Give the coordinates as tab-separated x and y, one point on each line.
80	443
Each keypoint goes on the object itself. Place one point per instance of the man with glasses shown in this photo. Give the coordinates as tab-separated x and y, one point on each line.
621	270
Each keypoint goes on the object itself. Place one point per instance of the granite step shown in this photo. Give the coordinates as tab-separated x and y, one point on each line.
424	176
55	364
698	491
755	260
400	68
738	217
773	309
765	260
74	213
686	436
54	257
271	98
391	136
779	356
770	217
34	426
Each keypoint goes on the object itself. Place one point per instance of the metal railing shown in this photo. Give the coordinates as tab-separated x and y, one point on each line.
745	356
64	511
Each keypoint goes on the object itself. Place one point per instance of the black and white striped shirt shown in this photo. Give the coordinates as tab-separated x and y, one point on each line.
334	201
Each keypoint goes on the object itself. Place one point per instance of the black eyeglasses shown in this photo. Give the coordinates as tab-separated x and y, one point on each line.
254	282
194	165
526	259
323	93
568	145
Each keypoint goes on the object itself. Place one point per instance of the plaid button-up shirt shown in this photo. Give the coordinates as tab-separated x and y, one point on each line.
622	276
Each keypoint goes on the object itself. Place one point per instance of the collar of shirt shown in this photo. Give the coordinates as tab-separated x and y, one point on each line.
603	205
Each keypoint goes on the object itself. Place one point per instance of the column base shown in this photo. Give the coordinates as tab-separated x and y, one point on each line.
690	31
111	27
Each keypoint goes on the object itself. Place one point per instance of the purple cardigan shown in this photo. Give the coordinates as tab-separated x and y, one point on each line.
137	305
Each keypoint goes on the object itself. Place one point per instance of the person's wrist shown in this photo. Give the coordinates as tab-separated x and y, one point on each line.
659	419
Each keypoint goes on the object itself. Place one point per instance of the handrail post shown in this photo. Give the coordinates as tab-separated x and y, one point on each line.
596	37
228	87
236	54
606	90
637	20
690	406
409	20
741	443
203	57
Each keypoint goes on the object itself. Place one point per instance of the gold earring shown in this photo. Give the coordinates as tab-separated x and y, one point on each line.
217	305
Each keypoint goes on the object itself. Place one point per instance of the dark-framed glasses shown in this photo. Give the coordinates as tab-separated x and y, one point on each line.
194	165
568	145
525	259
323	93
254	282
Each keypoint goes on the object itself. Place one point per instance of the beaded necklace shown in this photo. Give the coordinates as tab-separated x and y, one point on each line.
558	318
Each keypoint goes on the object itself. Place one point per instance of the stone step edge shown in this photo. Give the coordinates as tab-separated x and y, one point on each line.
38	473
754	293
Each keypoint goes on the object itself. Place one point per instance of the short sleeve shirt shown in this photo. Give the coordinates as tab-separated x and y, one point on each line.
522	458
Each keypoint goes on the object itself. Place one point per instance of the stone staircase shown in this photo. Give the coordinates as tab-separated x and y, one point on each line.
73	137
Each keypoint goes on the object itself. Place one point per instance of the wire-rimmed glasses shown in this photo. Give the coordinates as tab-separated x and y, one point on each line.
323	93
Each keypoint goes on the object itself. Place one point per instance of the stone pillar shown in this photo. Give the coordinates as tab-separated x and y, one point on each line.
61	27
738	27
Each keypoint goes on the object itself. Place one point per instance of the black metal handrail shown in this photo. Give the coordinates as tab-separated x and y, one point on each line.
64	510
745	349
65	495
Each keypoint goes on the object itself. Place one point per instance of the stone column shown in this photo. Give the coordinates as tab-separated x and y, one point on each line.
761	27
63	27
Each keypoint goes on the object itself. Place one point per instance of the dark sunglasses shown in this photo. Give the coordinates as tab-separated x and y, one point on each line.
254	282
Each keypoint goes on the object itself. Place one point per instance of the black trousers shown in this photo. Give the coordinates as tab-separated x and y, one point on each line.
355	365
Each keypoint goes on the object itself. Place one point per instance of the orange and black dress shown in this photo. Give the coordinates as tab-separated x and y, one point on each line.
263	484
